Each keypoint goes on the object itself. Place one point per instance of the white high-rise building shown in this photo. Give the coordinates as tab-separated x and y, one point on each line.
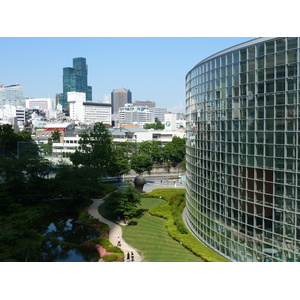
40	103
12	95
159	113
130	114
88	112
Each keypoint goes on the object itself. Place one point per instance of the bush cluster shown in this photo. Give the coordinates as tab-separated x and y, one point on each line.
172	211
106	188
110	257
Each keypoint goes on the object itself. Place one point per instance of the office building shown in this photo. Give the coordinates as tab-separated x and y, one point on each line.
40	103
12	95
75	80
119	97
243	155
130	114
148	103
159	113
88	112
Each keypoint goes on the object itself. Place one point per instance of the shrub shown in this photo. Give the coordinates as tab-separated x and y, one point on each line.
106	188
110	257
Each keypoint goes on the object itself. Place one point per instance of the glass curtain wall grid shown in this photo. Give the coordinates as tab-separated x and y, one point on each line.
243	158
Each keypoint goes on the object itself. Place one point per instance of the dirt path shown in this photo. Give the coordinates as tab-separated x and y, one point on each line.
115	230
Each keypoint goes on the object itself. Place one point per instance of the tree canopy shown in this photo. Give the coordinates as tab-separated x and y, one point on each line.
124	202
14	144
157	125
141	163
95	149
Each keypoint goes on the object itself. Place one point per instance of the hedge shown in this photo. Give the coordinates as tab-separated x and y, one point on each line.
110	257
172	211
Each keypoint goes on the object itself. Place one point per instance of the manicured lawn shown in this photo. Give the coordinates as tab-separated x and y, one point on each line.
151	238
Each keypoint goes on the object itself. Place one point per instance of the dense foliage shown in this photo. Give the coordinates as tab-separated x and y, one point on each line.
31	187
122	204
95	149
157	125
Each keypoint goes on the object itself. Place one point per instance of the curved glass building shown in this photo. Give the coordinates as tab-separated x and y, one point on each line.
243	158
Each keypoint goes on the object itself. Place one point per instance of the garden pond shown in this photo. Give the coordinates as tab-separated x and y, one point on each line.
64	235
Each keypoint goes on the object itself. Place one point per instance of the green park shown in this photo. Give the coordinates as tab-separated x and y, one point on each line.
44	207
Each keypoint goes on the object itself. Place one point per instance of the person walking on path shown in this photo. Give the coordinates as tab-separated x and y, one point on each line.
128	256
119	242
115	230
132	256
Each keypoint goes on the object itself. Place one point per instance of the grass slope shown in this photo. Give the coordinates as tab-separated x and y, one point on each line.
151	238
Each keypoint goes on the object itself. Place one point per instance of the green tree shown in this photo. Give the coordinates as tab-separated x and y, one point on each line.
174	152
120	163
141	163
46	148
55	135
125	202
14	144
157	125
153	149
128	148
95	149
8	140
145	148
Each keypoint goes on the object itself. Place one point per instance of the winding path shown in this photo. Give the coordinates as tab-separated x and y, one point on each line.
115	230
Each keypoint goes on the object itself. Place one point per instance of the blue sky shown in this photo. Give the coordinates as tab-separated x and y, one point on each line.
153	68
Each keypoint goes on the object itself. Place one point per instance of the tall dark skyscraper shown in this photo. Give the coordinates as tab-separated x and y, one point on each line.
75	80
118	99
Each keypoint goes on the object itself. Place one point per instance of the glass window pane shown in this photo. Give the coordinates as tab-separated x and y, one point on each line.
270	86
260	63
243	54
260	88
269	73
292	42
292	97
270	123
270	47
292	56
243	67
270	99
280	71
270	113
251	65
292	84
280	85
292	70
270	61
251	76
251	52
280	58
280	45
229	59
236	56
260	49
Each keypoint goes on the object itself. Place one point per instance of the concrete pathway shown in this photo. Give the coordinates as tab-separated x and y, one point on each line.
115	230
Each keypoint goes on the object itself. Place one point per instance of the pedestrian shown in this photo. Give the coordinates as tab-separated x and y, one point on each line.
128	256
119	242
132	256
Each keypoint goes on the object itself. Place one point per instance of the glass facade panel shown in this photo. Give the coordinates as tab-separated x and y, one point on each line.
243	200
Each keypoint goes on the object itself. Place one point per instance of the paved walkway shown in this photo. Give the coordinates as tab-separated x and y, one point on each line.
115	230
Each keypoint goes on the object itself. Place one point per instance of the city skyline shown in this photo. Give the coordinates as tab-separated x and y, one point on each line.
151	68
